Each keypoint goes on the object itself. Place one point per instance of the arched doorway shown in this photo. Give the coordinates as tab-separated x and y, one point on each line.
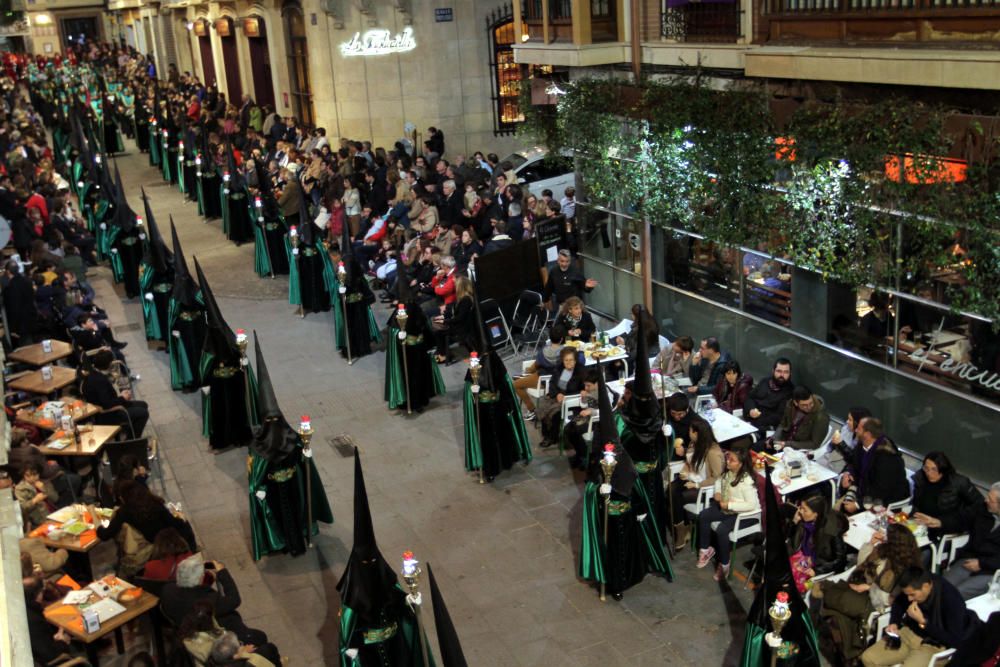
260	61
205	48
230	59
298	63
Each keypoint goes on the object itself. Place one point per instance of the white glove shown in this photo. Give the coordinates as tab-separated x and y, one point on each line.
475	388
351	654
104	225
667	430
308	453
142	237
114	251
773	640
175	333
244	362
605	489
261	493
295	251
414	599
342	290
149	296
642	517
206	390
401	335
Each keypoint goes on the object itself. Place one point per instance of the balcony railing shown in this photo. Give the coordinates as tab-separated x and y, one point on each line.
902	6
592	21
702	21
559	10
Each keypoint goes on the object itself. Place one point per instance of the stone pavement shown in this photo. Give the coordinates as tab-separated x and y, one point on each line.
503	553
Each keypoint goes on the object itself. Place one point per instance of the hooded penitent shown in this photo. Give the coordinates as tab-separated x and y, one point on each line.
642	414
451	647
274	439
220	342
186	322
799	646
624	476
185	291
158	255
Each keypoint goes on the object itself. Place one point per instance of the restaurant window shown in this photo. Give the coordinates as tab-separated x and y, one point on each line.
507	74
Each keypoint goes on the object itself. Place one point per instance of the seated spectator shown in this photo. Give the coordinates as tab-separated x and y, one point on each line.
874	470
816	540
458	328
977	561
679	418
45	560
577	321
129	470
200	581
732	388
706	366
36	496
943	500
845	439
228	651
765	404
735	492
871	587
48	644
468	249
676	359
805	422
67	484
169	550
703	464
546	361
145	513
579	422
567	380
443	287
927	616
98	389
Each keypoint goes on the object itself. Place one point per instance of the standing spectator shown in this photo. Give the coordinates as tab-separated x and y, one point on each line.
565	281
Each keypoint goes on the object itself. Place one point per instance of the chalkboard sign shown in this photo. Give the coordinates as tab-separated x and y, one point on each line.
551	235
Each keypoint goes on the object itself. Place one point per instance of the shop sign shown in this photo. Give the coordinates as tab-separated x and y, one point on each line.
379	42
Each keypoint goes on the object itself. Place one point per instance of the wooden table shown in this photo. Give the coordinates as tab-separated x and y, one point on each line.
34	355
70	619
35	418
91	442
33	383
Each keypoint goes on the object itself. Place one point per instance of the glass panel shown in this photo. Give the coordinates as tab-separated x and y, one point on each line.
918	417
602	298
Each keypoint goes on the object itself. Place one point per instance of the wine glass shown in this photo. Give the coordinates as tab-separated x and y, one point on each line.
878	508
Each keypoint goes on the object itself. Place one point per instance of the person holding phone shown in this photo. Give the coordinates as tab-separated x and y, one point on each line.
928	616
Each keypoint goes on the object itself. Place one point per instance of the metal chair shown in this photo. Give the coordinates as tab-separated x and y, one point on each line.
496	326
525	318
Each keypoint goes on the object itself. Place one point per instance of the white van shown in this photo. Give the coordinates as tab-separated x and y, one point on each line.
539	171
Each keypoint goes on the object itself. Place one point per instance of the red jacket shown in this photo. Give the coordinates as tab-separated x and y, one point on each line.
445	288
38	201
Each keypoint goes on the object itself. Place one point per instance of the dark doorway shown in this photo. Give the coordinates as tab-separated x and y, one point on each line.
207	61
260	66
230	60
79	30
298	64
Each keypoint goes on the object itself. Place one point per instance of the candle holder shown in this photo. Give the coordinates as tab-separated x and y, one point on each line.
342	279
225	182
411	576
475	368
305	432
780	612
608	464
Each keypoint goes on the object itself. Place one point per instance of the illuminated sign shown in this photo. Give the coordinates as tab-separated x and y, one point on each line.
378	43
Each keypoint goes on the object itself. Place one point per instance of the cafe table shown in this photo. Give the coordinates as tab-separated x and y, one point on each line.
69	617
984	605
93	438
34	383
727	427
861	527
35	355
71	528
78	409
813	474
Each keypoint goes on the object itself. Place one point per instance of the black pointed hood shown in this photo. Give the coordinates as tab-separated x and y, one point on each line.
160	257
306	228
451	648
777	579
607	434
493	376
235	177
185	291
274	439
642	413
369	584
346	248
220	341
125	217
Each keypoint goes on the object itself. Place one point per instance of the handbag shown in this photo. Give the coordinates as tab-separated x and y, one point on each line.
801	563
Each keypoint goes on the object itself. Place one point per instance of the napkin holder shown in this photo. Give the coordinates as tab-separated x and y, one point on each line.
91	622
795	469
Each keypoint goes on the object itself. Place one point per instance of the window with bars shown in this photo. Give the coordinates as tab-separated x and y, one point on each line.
507	74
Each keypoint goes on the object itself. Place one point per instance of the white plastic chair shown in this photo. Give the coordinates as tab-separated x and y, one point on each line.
824	449
904	505
946	550
829	576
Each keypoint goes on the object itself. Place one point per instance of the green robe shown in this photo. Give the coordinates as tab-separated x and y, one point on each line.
395	381
407	625
183	371
204	368
473	448
266	533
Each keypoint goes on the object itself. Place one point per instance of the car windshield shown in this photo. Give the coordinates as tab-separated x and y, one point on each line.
515	159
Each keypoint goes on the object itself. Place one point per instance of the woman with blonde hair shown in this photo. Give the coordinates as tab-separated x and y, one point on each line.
459	327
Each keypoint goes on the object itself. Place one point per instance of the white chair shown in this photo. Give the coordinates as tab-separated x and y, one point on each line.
904	505
941	657
945	551
664	342
824	449
829	576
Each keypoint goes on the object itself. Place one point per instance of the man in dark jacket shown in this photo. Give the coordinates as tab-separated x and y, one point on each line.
97	389
977	561
928	616
874	470
707	365
766	403
19	300
805	422
565	281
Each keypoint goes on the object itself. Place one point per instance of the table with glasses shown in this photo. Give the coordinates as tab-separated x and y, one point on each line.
37	355
45	415
72	528
116	603
984	605
726	426
93	438
863	525
813	474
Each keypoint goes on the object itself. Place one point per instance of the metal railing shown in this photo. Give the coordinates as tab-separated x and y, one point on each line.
702	21
847	6
558	10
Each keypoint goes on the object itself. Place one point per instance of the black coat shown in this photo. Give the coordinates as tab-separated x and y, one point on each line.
97	389
948	621
984	541
19	300
828	541
586	326
574	386
770	403
957	501
176	602
886	477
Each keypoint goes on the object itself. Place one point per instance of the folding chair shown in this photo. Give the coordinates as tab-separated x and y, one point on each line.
525	317
496	326
114	452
